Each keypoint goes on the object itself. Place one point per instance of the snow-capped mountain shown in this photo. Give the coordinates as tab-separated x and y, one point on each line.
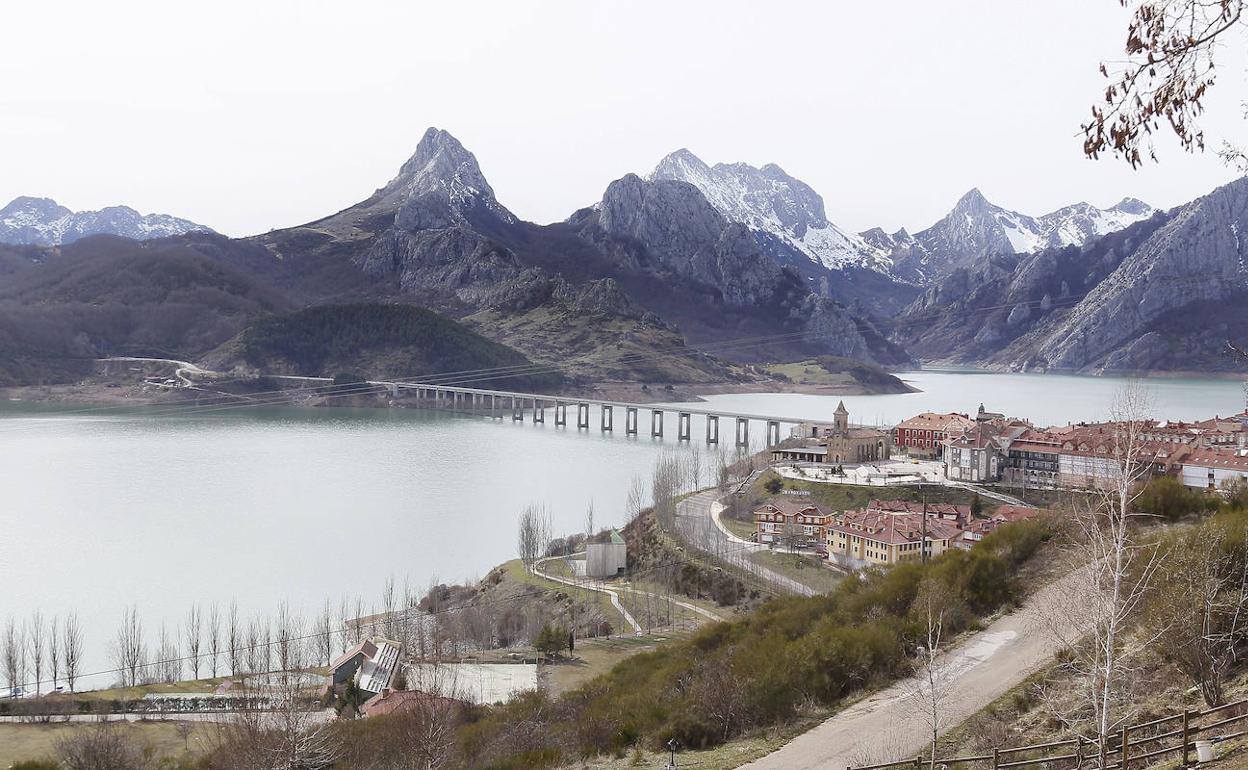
785	211
43	222
1079	223
977	228
444	176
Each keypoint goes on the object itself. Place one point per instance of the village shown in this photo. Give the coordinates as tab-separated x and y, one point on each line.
1001	455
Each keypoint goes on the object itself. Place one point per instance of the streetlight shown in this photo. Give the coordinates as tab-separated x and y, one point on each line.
672	745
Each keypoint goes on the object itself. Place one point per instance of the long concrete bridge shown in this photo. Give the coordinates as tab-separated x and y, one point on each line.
500	404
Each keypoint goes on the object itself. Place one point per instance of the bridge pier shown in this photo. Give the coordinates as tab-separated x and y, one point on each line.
743	432
630	421
607	418
712	429
684	426
773	433
539	412
656	423
582	416
561	414
517	409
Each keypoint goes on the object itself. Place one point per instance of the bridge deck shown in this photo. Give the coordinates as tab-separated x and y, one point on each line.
663	407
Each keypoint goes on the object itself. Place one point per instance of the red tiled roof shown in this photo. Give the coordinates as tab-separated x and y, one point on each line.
892	529
907	506
1217	458
393	701
790	506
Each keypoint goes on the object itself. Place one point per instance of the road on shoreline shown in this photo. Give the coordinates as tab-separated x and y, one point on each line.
889	725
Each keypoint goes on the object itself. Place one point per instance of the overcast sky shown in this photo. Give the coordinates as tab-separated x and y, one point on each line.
247	116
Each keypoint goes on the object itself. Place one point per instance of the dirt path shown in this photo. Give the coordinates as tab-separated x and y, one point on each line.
889	726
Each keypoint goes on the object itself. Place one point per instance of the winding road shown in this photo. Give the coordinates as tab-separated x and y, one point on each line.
696	525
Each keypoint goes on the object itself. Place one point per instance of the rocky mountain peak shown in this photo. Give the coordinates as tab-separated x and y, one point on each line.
1134	207
44	222
785	213
443	174
34	207
972	201
680	164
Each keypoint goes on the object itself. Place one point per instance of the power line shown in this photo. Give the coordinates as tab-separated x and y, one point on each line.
402	615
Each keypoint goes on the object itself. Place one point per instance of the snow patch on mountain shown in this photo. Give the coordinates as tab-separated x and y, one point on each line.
977	228
43	222
768	200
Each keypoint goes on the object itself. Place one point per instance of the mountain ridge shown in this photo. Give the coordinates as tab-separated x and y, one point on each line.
34	221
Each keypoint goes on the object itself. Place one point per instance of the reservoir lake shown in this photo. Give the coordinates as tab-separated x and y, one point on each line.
105	508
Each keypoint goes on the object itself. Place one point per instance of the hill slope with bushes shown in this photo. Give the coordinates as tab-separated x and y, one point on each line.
377	340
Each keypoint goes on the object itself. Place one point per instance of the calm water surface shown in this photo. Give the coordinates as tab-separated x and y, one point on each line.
100	509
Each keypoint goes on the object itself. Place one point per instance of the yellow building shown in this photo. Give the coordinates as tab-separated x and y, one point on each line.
864	538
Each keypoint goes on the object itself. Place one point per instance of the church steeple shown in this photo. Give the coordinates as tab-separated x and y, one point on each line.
840	421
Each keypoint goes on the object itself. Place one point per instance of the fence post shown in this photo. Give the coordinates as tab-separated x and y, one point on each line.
996	758
918	762
1125	731
1185	736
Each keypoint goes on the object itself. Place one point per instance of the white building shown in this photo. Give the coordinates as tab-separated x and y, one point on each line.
606	557
1214	468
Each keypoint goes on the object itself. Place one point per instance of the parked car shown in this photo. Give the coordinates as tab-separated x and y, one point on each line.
821	552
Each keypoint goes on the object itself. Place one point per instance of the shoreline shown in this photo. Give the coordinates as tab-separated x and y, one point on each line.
116	395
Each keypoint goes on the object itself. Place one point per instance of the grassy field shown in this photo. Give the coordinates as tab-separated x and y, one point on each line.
597	656
845	497
739	527
38	741
807	570
811	373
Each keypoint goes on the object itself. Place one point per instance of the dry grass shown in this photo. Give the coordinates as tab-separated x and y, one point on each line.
38	741
597	656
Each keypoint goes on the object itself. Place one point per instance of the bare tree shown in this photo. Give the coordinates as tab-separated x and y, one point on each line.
288	735
129	650
1116	572
194	634
214	638
929	688
325	635
71	647
534	533
168	664
54	651
288	634
665	487
35	637
14	656
695	470
636	500
1170	67
388	606
589	521
234	638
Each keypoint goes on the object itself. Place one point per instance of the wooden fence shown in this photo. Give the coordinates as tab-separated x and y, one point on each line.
1136	746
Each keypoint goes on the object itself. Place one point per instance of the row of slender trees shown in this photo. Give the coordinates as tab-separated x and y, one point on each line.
39	647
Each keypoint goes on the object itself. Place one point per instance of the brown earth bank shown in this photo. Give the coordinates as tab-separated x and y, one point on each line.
145	387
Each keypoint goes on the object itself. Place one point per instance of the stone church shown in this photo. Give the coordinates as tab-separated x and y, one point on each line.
845	443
